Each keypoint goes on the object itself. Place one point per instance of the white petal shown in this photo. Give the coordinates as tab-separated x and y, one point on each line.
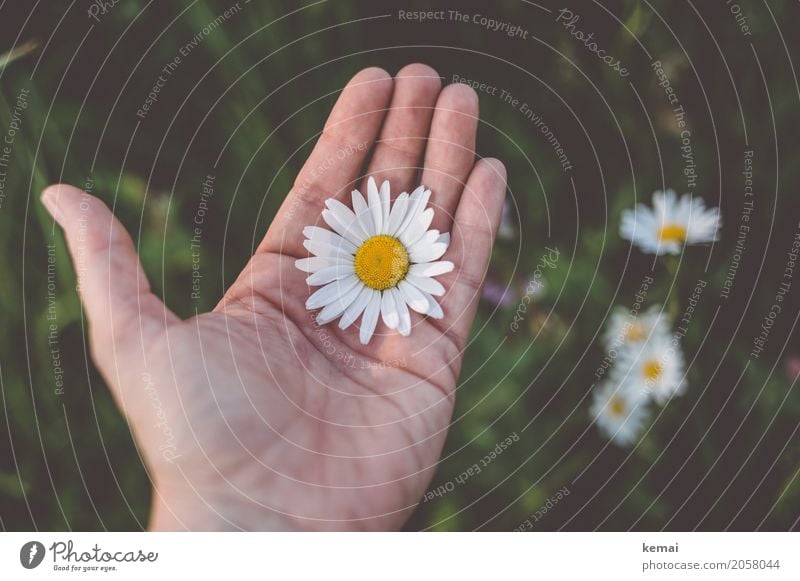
389	310
429	253
361	210
350	231
404	324
413	208
367	223
317	234
434	310
356	307
329	274
425	284
375	209
417	228
370	318
385	204
315	263
345	218
398	213
431	268
337	307
327	251
413	297
359	203
426	241
344	213
444	238
330	292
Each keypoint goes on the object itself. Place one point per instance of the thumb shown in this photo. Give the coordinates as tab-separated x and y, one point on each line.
112	284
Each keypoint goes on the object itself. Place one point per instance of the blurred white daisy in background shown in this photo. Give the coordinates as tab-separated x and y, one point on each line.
379	260
619	412
624	328
655	368
670	224
507	229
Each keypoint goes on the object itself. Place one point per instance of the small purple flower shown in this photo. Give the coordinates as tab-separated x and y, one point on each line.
498	293
792	367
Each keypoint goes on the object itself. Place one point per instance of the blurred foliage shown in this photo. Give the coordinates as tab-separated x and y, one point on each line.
246	104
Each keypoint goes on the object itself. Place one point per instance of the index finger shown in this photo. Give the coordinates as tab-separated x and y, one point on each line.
334	164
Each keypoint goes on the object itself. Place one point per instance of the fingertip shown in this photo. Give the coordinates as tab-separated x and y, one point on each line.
486	187
57	196
496	167
422	74
460	97
54	192
375	78
374	73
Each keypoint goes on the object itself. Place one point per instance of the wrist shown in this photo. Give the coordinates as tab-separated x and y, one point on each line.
192	510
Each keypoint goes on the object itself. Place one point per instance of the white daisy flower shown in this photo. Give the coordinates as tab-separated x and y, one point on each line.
619	412
625	328
670	224
655	368
379	260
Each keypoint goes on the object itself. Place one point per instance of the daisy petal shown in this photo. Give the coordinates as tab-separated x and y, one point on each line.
315	263
370	318
329	274
363	214
404	323
350	231
327	251
385	205
434	310
375	207
413	208
337	307
429	253
424	242
344	213
356	307
431	268
417	228
413	297
389	310
317	234
444	238
398	213
345	218
425	284
330	292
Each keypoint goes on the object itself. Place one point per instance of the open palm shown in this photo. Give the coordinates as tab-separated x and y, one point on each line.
253	416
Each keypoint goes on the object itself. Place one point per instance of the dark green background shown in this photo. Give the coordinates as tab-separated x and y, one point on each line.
726	454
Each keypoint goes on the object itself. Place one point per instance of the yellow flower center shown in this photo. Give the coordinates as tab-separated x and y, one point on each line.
634	333
672	233
381	262
652	370
617	406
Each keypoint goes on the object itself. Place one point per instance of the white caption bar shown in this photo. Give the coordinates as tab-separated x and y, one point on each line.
401	556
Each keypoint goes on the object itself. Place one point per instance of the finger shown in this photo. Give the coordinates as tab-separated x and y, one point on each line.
113	286
399	148
336	161
450	154
476	222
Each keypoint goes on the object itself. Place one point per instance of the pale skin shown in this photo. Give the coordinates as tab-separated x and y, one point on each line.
251	416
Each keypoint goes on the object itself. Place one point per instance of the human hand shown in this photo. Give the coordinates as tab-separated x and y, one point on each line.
273	425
